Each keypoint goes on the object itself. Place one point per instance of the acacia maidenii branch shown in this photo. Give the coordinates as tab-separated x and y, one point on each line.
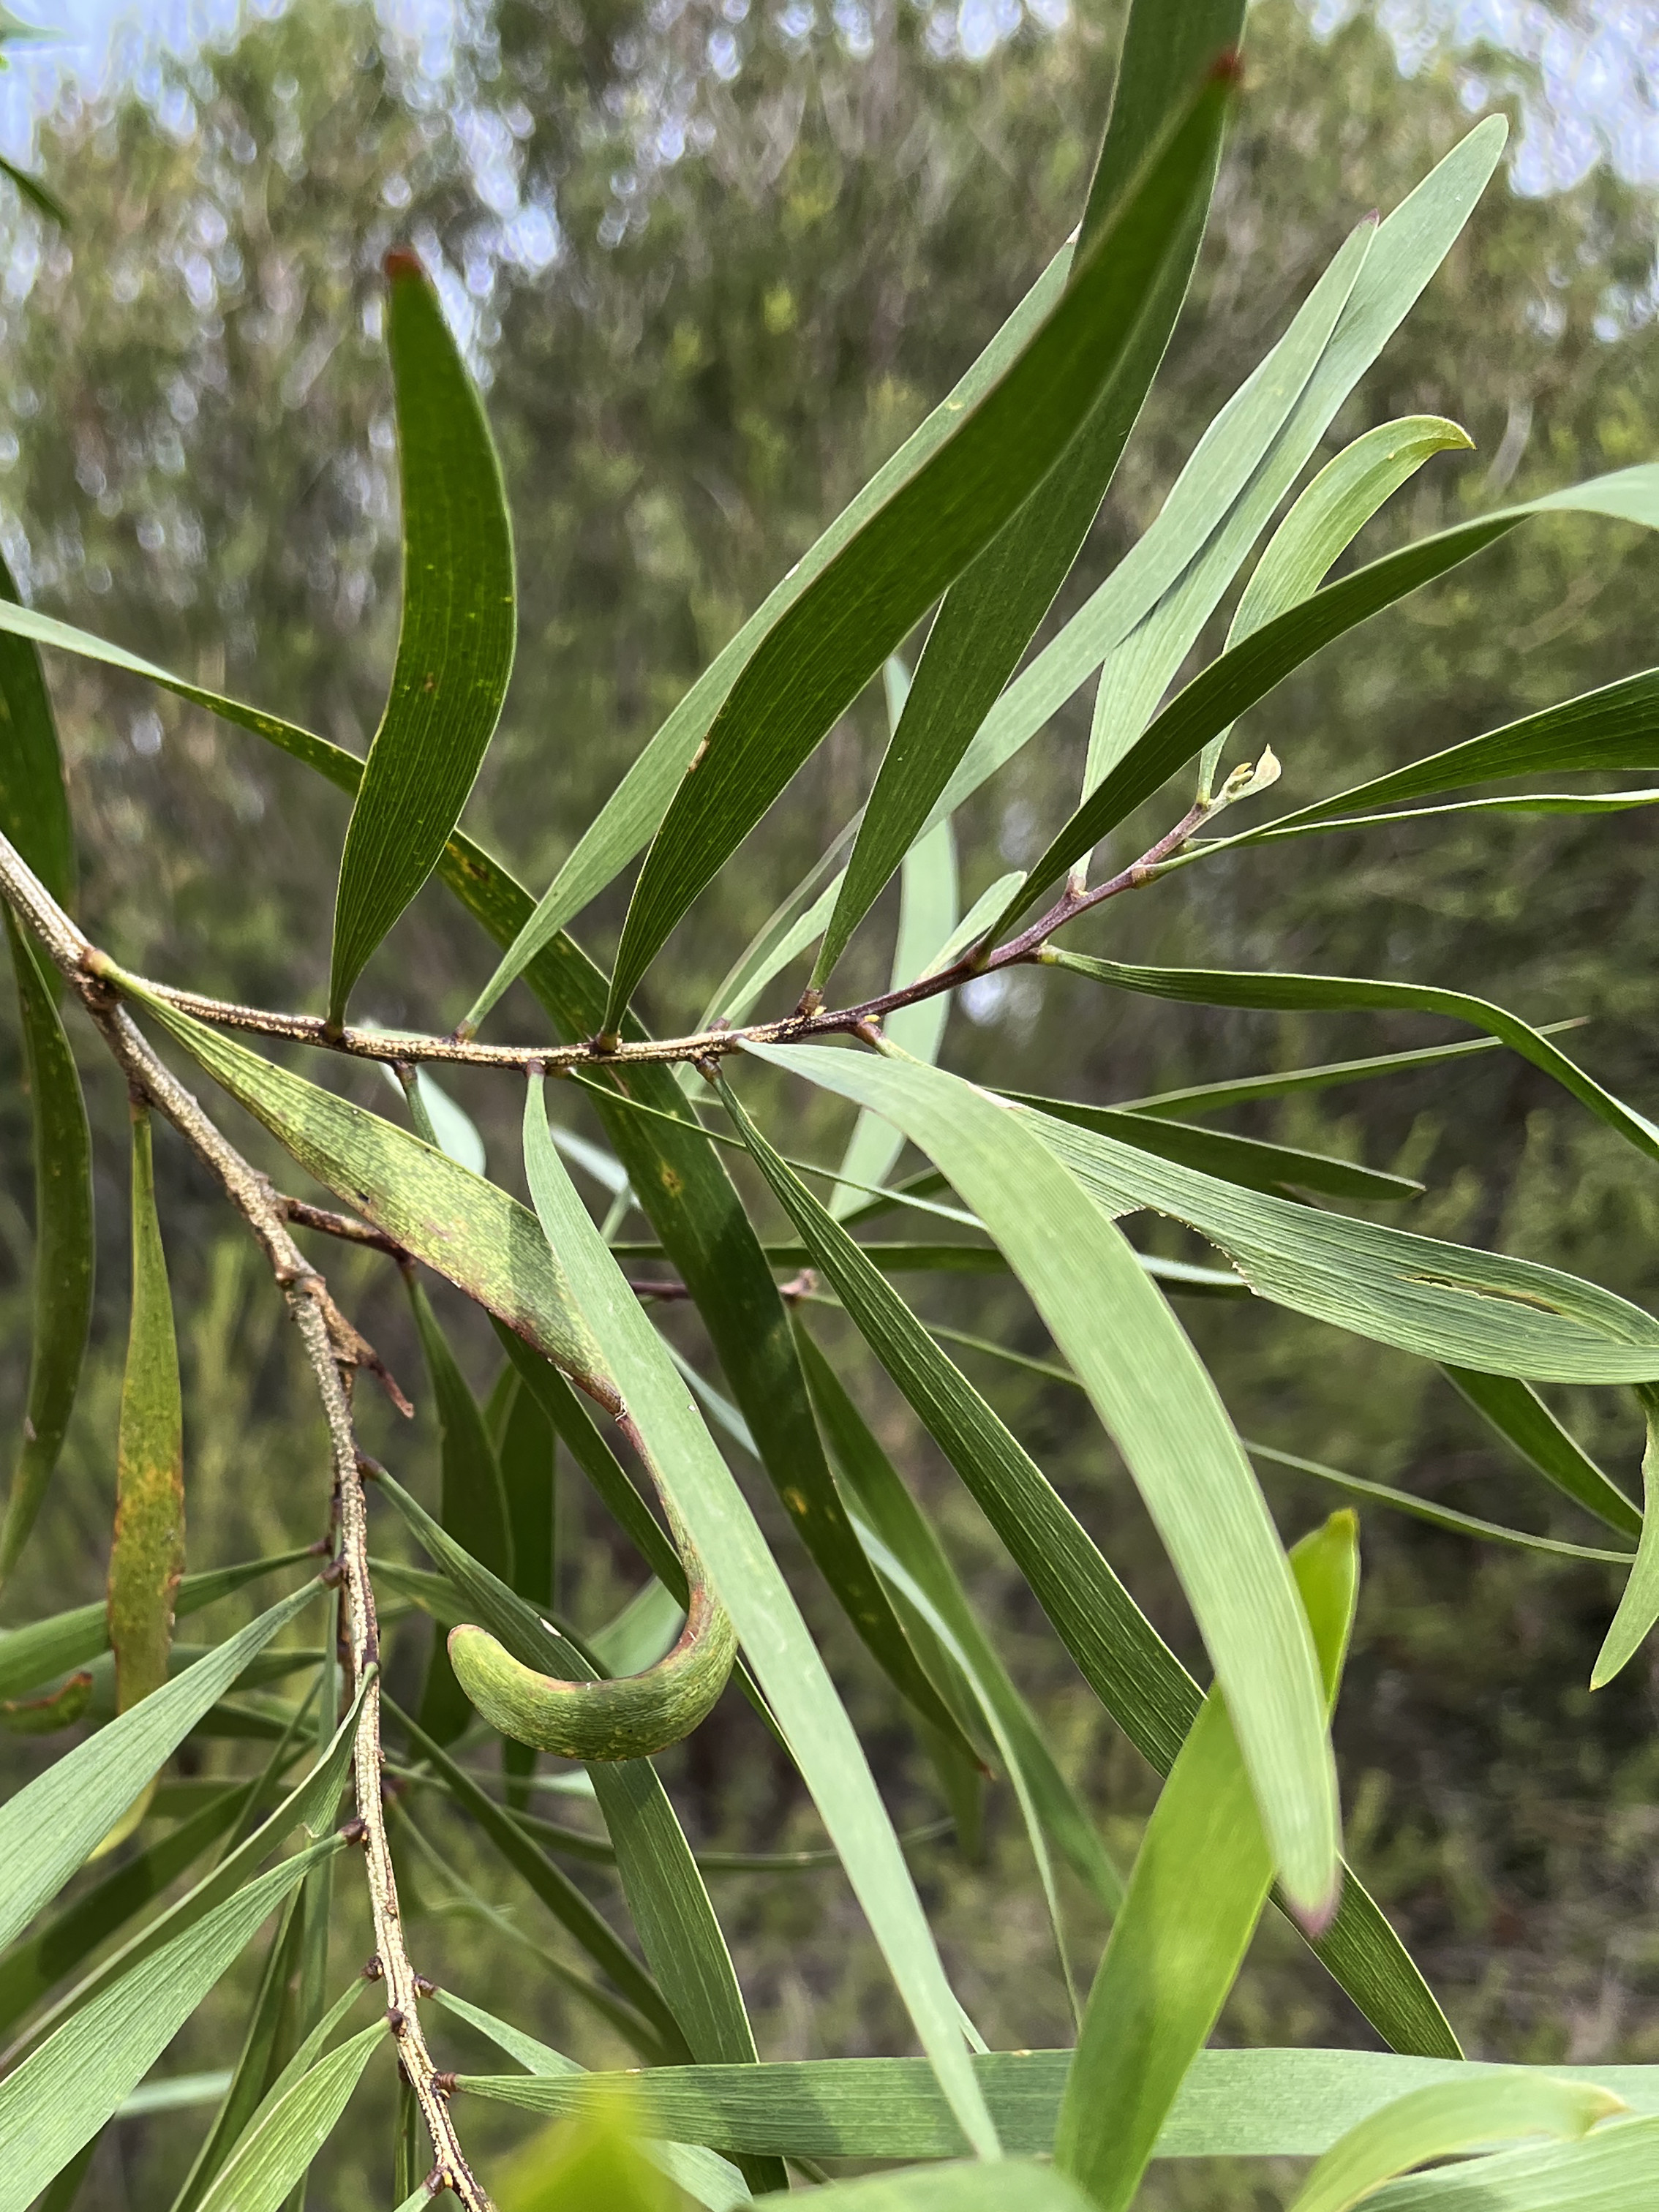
333	1349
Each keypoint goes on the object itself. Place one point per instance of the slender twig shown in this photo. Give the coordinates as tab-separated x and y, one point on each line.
334	1350
402	1049
301	1211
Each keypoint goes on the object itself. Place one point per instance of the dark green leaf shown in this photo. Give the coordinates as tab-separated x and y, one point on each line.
31	190
455	645
1119	1653
991	613
837	635
525	1452
62	1238
1200	1881
34	805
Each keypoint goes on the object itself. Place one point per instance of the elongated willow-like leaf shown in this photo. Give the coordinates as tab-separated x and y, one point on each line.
147	1558
310	1805
471	1232
1211	1097
524	1450
34	1654
47	1829
905	1532
1520	1415
1137	670
1117	1650
290	2130
1009	2187
1155	1399
1244	1160
34	810
688	1467
990	614
473	1502
1600	733
701	2174
837	635
631	814
258	2064
30	1968
1611	2171
1447	2121
455	645
63	1243
464	1228
1200	1881
1638	1608
1360	994
1240	678
1322	526
927	915
796	923
1409	247
65	2091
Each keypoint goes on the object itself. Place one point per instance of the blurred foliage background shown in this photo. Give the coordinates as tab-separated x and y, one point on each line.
712	264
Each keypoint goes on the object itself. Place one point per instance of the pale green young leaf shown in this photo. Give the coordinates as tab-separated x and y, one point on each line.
1200	1881
289	2131
1448	2121
63	1255
1409	247
1155	1401
66	2089
863	604
455	644
1119	1653
746	1578
1613	2170
47	1829
1324	522
1010	2187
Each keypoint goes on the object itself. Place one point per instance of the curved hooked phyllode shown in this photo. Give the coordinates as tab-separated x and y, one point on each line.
622	1716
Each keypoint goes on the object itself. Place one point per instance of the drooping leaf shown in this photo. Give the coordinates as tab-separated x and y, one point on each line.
147	1557
1352	994
1232	2104
1200	1881
63	1231
1247	674
1448	2121
1520	1415
1119	1653
991	613
291	2129
1324	522
691	1472
1639	1607
837	635
1156	1401
701	2174
1409	246
47	1828
66	2089
455	645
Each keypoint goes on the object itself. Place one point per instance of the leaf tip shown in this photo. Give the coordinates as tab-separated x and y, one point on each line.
1228	67
403	261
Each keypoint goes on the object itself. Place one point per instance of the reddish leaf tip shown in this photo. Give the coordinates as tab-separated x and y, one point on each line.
1228	67
403	261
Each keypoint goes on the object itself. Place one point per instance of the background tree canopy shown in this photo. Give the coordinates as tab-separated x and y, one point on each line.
712	264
